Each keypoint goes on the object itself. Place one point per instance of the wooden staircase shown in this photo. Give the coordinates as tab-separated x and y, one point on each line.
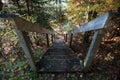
59	58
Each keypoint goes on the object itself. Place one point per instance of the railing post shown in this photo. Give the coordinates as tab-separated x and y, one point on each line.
97	38
65	37
24	42
52	38
71	39
47	39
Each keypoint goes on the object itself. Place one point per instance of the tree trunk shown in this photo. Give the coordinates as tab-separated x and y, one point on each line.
28	6
91	15
47	39
1	5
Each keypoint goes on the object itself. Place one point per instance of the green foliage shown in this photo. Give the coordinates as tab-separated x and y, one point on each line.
117	5
67	27
45	13
81	14
94	7
39	53
42	19
15	66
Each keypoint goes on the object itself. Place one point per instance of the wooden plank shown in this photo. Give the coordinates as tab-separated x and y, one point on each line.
97	23
93	49
52	38
59	58
27	39
26	49
25	25
65	37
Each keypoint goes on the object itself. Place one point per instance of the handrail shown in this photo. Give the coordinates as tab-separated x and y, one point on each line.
98	25
25	25
22	28
95	24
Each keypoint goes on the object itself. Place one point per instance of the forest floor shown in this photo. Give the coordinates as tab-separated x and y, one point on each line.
106	65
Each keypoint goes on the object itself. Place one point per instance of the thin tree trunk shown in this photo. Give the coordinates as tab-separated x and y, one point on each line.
91	15
28	6
47	39
1	5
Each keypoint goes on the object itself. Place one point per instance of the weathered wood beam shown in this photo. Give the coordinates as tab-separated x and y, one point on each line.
25	25
65	36
97	23
97	38
26	47
27	39
52	38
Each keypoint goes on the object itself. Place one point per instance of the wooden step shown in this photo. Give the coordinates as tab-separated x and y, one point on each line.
59	65
59	58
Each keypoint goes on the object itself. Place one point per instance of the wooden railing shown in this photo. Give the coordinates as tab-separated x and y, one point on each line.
98	25
22	27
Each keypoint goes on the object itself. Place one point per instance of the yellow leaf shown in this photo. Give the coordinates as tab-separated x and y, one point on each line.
109	1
